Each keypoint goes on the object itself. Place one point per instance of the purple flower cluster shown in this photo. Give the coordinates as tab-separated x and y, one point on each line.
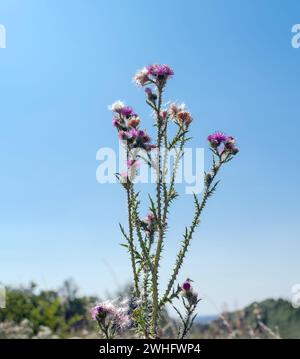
186	286
155	73
223	143
188	292
108	314
152	97
216	139
127	122
127	112
102	310
160	70
180	114
149	224
136	138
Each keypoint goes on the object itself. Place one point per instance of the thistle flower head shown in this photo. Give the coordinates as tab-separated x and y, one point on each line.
141	78
229	145
180	114
96	311
223	143
174	108
152	97
116	106
134	122
161	71
184	117
148	90
154	73
100	311
216	139
188	292
186	285
140	137
127	111
111	315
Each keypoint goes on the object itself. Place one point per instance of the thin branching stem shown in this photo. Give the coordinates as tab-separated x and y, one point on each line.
155	298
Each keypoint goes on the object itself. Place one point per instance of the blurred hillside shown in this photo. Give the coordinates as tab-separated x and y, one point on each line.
33	313
269	318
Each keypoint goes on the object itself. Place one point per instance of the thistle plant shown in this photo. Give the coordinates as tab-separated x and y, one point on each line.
145	237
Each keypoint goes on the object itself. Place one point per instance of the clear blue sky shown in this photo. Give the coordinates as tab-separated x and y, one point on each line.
235	68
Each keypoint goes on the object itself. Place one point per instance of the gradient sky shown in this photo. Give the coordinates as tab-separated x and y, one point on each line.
235	69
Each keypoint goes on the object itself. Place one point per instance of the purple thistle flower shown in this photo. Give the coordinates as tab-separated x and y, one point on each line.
116	106
127	111
141	78
151	95
160	70
229	145
133	133
141	133
119	319
217	137
189	293
102	310
224	144
95	311
146	138
186	286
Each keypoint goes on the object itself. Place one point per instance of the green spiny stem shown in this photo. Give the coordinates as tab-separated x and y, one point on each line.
145	296
136	221
159	219
131	241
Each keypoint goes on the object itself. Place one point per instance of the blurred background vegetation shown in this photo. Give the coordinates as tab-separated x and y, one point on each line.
62	313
